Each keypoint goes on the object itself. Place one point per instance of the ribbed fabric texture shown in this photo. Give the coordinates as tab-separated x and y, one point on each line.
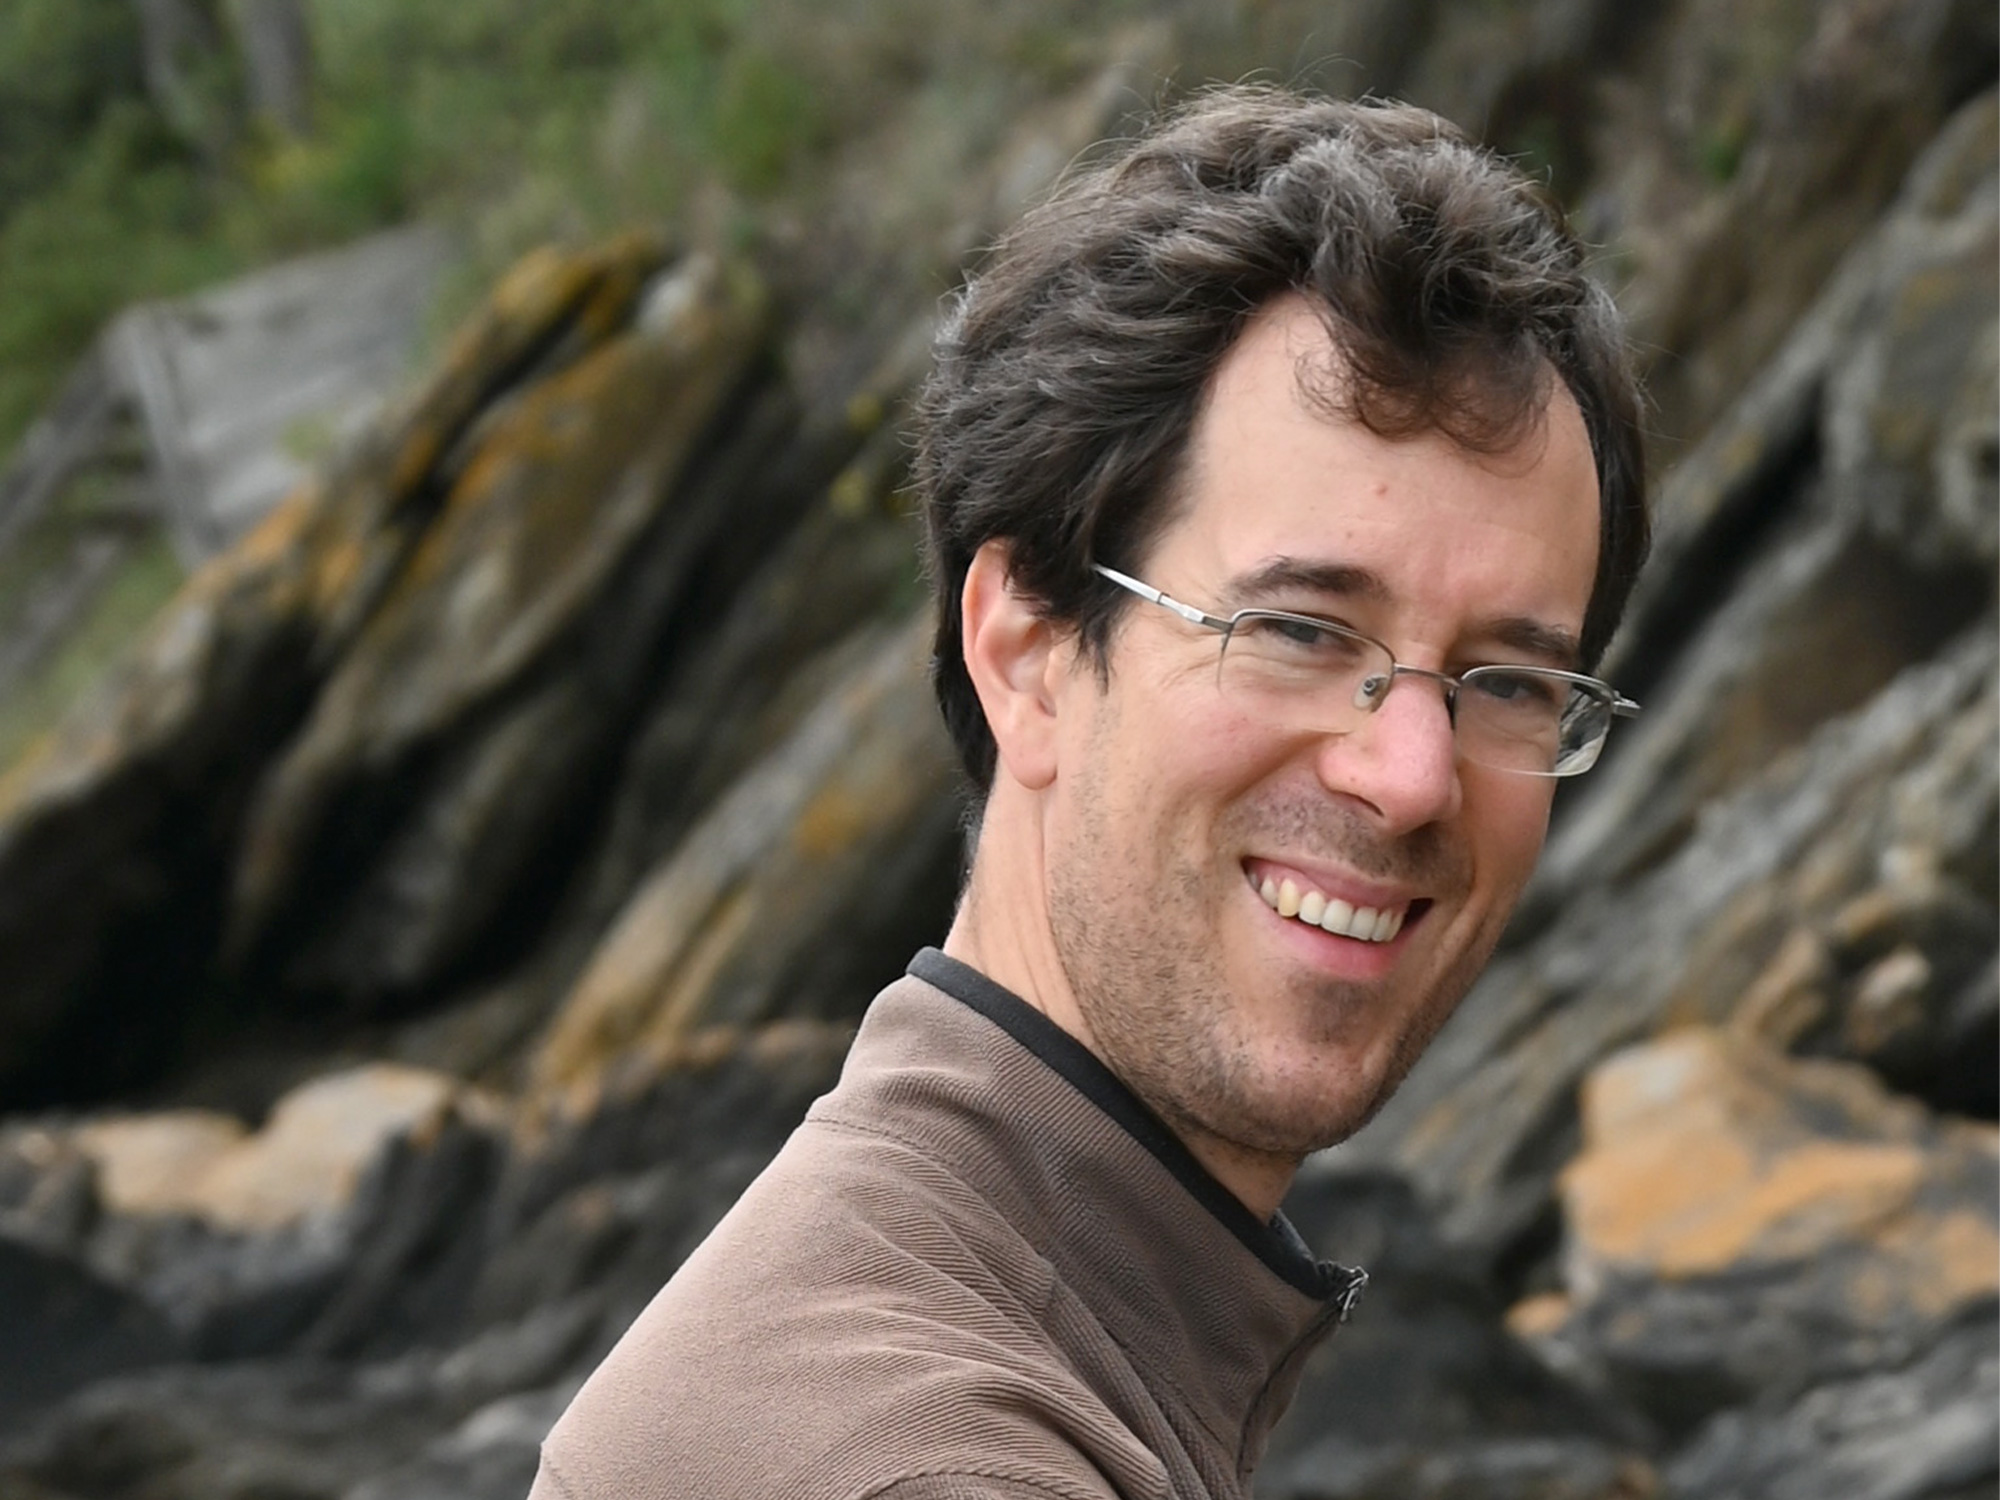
962	1279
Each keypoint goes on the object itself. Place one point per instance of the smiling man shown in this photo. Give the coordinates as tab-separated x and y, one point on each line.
1161	850
1282	478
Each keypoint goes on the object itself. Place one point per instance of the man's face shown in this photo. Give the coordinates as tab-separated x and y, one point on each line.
1173	804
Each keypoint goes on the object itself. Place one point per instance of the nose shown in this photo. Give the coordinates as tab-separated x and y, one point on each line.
1399	762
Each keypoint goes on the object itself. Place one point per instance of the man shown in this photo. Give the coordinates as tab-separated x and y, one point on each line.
1282	479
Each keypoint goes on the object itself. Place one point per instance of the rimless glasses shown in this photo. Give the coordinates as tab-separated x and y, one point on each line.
1305	672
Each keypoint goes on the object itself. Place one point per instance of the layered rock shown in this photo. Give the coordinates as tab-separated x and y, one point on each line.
1741	1226
1796	804
482	865
493	679
118	830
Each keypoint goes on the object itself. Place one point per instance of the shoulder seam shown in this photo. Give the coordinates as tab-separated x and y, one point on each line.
876	1132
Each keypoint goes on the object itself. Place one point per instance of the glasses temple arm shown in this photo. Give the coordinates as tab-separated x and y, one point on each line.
1153	596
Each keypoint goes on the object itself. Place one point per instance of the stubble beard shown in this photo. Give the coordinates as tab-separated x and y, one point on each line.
1151	987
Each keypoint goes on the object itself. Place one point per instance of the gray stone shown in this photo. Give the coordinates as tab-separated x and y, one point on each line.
297	1430
48	1188
1500	1469
845	828
1732	211
1928	1429
491	1455
1422	1391
66	1327
608	1203
1803	534
736	696
228	380
1742	1225
1909	408
472	715
117	828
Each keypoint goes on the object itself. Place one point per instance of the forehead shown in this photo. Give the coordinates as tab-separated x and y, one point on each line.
1275	474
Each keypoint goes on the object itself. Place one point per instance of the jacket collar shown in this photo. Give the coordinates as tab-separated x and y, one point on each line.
1216	1309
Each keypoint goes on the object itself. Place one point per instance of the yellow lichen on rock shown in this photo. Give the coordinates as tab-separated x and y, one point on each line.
156	1163
704	937
1703	1154
1716	1172
306	1161
309	1157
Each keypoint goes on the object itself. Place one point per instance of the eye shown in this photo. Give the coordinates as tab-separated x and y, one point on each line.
1300	635
1525	692
1298	632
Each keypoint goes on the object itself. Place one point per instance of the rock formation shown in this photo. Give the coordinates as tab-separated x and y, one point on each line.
458	892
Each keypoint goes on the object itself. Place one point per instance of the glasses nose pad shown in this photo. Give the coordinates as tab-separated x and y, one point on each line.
1371	690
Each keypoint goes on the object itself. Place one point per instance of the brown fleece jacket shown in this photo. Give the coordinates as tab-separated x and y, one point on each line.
980	1268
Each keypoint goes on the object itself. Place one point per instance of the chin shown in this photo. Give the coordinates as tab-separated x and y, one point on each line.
1295	1122
1341	1093
1324	1127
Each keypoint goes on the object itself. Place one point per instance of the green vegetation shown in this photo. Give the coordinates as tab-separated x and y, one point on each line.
143	575
134	165
59	63
1719	151
519	119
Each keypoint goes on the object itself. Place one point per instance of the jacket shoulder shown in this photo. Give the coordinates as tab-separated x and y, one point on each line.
860	1324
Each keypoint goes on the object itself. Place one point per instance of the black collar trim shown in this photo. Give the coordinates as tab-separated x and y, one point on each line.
1277	1244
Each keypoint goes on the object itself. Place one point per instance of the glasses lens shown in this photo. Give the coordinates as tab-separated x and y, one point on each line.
1586	721
1304	671
1519	719
1313	674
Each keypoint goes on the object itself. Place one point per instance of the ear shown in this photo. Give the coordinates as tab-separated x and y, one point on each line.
1012	655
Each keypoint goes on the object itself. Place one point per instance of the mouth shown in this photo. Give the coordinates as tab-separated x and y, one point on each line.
1367	924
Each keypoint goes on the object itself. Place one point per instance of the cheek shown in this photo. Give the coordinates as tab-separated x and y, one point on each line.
1507	824
1162	745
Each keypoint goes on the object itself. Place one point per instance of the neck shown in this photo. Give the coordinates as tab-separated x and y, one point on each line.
1002	930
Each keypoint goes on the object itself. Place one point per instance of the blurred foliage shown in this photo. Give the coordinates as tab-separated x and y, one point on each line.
124	214
141	579
518	119
62	65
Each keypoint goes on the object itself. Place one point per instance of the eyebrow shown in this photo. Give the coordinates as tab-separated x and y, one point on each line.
1537	638
1291	575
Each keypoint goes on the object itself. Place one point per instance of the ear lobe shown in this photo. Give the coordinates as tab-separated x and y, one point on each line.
1009	650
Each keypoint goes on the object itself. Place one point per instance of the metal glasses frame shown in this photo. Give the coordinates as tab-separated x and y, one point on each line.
1374	690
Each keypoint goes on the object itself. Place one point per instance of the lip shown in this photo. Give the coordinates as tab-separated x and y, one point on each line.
1330	883
1332	953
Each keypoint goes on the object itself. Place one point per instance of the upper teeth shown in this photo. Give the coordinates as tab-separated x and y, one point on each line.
1370	924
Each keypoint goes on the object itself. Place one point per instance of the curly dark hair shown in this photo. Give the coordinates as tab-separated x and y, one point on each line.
1070	370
